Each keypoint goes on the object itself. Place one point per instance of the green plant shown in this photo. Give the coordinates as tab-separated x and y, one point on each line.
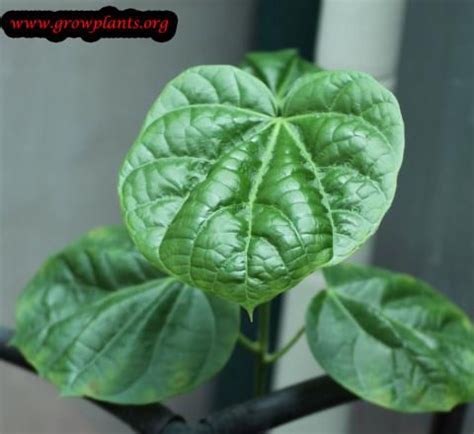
242	182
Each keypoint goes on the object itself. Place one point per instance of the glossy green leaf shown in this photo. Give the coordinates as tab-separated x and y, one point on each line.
278	70
392	340
237	191
98	320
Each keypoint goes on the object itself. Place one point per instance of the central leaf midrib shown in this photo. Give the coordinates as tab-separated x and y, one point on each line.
266	159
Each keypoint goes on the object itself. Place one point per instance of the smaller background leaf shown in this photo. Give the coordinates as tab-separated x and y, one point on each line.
98	320
278	69
392	340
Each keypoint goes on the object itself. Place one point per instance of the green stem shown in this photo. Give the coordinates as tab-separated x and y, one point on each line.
261	373
271	358
249	343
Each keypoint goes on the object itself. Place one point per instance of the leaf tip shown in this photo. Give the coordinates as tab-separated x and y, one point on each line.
250	310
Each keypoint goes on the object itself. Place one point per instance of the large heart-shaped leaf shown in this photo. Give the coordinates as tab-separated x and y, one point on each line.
243	194
392	340
98	320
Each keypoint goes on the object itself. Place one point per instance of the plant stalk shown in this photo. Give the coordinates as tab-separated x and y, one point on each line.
273	357
261	368
249	344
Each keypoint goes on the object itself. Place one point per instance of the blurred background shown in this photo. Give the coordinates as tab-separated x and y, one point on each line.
69	112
